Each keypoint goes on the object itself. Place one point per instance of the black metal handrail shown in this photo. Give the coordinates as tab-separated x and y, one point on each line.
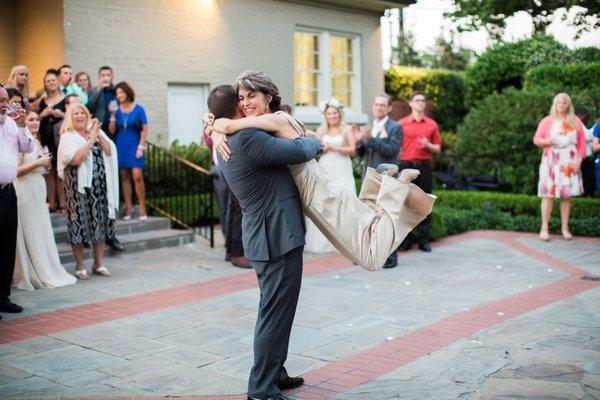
179	190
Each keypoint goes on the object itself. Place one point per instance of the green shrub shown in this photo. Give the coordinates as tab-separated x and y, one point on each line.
444	88
569	78
198	153
504	65
451	221
496	136
586	55
514	204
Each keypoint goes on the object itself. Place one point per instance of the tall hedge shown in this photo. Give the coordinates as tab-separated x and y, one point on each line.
563	77
586	54
496	136
504	65
444	88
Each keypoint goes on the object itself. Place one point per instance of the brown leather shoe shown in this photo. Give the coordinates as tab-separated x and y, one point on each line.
241	262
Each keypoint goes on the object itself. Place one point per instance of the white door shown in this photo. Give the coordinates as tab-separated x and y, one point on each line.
186	104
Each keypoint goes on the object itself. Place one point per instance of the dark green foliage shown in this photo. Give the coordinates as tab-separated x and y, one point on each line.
570	78
451	221
586	55
514	204
195	152
505	65
496	136
492	14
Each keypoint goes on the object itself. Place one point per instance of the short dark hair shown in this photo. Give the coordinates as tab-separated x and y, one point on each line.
124	86
104	68
51	71
68	98
12	92
286	108
62	67
222	101
417	93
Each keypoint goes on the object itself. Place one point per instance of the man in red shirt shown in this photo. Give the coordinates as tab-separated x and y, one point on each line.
420	141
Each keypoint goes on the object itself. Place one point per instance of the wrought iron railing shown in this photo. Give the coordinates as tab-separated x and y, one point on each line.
179	190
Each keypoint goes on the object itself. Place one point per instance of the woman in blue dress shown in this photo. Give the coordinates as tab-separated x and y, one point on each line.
129	124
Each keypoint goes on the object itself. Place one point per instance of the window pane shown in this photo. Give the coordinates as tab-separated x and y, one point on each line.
341	70
306	68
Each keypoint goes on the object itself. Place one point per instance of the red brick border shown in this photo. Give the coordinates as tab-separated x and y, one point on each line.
346	373
46	323
355	370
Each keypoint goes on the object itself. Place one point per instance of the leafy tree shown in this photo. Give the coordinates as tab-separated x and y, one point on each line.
444	55
492	14
403	53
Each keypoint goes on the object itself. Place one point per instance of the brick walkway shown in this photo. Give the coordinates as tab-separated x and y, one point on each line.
355	368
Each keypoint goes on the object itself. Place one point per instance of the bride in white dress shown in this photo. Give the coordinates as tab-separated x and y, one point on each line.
339	143
37	264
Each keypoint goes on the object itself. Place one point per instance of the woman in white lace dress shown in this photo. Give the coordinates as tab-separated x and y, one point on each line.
339	143
37	264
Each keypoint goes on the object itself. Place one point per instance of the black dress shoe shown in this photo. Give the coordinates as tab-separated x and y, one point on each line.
390	264
290	383
405	246
10	307
424	246
115	244
278	397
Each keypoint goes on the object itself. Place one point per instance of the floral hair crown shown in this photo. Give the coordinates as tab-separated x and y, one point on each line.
331	103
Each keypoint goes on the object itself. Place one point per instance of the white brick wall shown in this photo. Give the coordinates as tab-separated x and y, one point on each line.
154	42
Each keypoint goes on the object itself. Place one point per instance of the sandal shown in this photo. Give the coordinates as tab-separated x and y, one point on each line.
544	235
566	234
143	217
81	274
102	271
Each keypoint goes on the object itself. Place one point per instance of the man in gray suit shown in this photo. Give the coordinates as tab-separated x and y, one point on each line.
380	144
272	234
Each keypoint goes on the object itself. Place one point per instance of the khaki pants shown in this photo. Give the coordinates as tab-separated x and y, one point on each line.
366	229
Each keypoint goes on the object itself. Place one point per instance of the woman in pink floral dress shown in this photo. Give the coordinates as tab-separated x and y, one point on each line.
561	137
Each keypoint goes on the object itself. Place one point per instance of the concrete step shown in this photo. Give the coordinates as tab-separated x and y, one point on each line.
123	227
135	242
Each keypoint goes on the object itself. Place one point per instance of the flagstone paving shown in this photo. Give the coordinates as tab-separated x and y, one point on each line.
486	315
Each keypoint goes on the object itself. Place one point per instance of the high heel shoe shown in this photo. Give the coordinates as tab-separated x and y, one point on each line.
81	274
566	234
544	235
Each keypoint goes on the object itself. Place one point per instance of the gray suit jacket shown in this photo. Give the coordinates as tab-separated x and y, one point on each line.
377	151
257	174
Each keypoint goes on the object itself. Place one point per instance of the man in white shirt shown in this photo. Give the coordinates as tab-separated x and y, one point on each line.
14	139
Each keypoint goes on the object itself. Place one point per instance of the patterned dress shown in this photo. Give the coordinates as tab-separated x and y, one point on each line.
87	212
557	176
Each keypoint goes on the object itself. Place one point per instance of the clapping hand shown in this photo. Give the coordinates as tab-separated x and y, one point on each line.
365	132
95	131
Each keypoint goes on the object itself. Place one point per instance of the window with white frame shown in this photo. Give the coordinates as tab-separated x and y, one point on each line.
326	65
